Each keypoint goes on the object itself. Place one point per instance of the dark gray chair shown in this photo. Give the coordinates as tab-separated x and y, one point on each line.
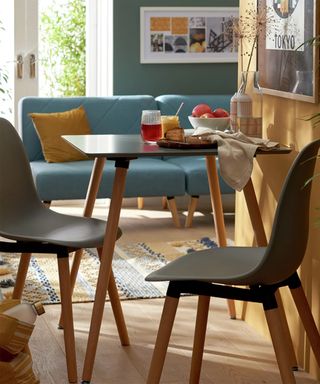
32	227
247	274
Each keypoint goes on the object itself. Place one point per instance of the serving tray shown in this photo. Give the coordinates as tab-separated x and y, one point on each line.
183	145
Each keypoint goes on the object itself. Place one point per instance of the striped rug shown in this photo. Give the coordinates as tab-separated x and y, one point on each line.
131	263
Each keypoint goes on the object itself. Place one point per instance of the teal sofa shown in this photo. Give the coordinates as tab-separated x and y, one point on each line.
117	115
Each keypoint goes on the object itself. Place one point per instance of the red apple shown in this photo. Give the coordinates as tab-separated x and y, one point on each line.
220	112
208	115
201	109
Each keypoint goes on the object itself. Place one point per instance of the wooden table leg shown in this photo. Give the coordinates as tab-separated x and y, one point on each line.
215	195
105	266
93	188
255	215
261	239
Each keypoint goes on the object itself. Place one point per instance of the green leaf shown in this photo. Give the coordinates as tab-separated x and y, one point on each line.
64	42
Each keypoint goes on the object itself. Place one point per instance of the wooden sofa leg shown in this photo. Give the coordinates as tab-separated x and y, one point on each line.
21	275
174	211
140	202
164	202
191	209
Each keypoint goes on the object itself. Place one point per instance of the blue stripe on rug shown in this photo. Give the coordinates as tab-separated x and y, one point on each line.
131	264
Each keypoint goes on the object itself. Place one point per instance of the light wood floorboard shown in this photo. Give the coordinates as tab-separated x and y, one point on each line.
234	352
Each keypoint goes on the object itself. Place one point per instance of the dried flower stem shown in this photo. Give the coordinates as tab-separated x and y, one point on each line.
241	54
251	53
249	62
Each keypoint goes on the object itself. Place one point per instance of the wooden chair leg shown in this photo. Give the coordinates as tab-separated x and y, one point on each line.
199	338
66	309
117	308
21	275
117	311
217	209
275	327
191	209
113	295
232	309
73	276
140	202
286	333
174	211
305	314
162	341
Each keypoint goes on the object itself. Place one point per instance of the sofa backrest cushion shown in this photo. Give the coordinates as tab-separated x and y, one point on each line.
169	104
114	115
51	126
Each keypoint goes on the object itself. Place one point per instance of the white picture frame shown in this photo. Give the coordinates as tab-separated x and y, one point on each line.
187	35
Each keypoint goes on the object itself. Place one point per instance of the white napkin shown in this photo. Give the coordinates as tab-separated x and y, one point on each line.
236	152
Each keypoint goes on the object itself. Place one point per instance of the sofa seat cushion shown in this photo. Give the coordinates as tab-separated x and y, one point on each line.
146	177
195	170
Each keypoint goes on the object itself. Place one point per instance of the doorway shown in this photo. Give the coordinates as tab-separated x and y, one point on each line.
54	48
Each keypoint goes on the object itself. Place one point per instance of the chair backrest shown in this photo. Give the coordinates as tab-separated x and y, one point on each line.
289	234
18	194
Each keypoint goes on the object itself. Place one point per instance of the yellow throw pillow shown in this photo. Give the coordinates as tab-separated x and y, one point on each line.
51	126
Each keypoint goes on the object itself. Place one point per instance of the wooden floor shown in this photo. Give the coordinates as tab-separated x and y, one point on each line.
234	352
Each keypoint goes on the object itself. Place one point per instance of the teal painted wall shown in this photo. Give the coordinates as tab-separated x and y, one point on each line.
131	77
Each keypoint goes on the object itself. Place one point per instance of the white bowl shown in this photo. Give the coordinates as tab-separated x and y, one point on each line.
214	123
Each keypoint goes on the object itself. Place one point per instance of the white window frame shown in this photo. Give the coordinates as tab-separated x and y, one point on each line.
99	48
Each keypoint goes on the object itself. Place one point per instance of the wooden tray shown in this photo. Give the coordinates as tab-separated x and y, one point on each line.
182	145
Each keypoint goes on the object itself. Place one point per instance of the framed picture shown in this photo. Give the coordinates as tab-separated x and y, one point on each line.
187	35
287	64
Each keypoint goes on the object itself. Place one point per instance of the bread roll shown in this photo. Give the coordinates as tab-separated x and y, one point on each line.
176	134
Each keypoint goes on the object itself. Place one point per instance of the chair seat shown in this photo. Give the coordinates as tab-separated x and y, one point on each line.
45	225
226	265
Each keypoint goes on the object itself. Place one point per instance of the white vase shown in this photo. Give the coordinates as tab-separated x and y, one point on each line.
246	105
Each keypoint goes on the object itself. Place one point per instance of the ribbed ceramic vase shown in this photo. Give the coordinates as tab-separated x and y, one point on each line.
246	105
